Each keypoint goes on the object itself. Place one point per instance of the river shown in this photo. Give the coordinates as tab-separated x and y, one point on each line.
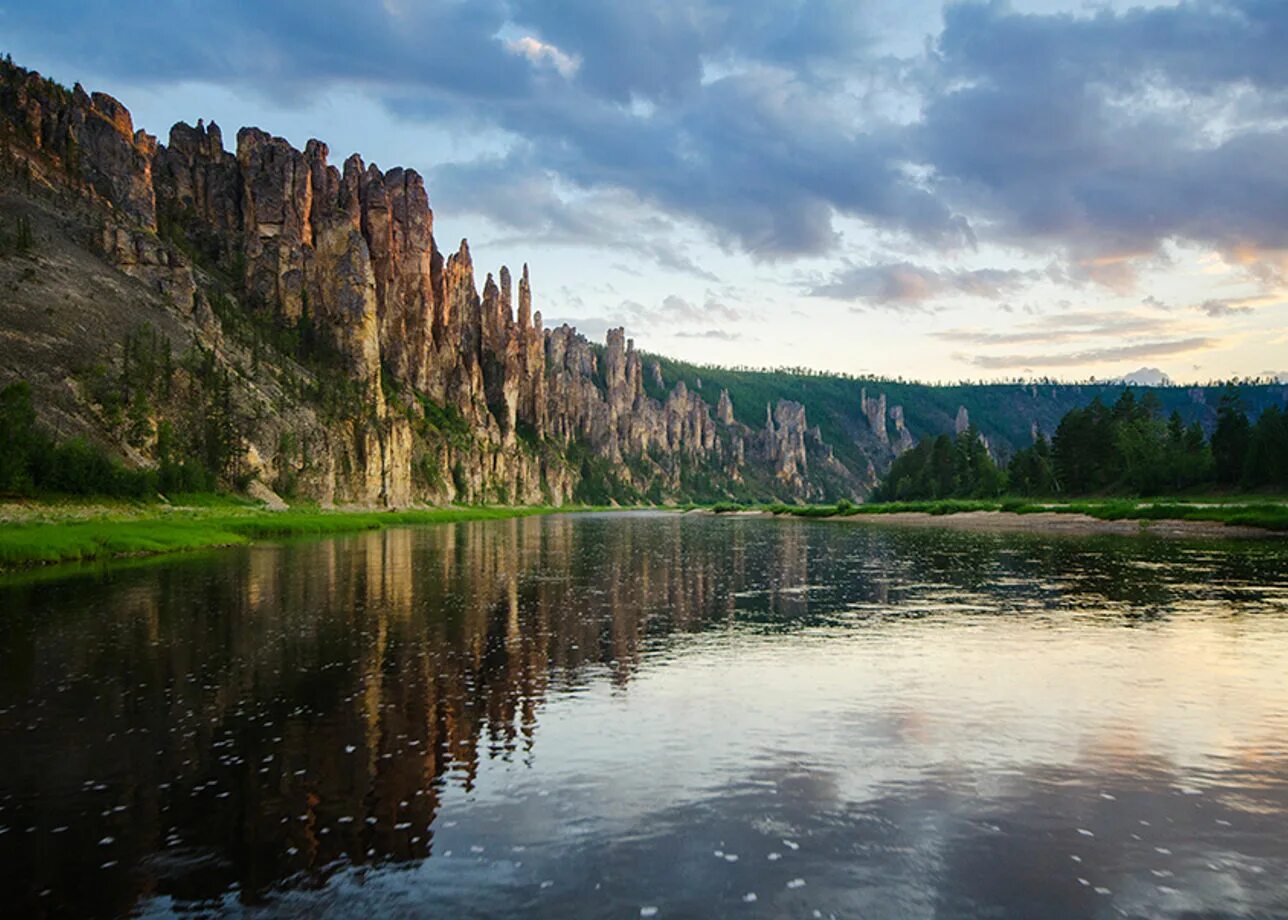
639	714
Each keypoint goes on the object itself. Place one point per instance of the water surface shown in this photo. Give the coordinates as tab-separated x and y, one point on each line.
616	715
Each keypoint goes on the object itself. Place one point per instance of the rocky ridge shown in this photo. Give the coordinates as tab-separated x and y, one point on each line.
447	392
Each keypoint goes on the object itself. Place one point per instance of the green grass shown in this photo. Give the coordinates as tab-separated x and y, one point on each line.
1248	511
1266	515
151	531
135	530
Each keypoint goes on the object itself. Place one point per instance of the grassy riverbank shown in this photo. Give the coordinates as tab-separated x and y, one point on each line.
1257	511
66	532
37	533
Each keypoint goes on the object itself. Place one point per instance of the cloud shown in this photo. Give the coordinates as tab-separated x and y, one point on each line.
1090	356
672	315
1066	328
676	308
902	284
1235	306
449	50
544	55
769	124
721	335
592	327
1223	308
518	196
1099	134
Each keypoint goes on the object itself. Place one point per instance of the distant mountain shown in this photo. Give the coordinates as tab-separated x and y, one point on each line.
293	327
1147	376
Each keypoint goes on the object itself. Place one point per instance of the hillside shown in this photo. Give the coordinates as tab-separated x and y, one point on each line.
292	327
1007	414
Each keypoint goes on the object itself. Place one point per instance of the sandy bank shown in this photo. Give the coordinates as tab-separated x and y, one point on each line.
1051	522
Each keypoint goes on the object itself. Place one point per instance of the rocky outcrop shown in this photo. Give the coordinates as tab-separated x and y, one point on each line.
785	431
962	422
276	213
198	185
398	228
903	439
89	138
724	408
140	255
424	387
874	410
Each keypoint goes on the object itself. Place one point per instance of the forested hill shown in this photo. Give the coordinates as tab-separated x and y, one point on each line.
1005	413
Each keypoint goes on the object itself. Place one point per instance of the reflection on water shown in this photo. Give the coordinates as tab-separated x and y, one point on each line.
596	715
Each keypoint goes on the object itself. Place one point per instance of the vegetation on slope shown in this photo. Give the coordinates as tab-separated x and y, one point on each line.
33	463
1100	451
1005	413
943	467
1123	449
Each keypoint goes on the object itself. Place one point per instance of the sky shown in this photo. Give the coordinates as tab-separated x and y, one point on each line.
938	191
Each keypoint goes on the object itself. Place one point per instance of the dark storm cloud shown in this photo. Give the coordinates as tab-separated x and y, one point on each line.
658	49
1094	133
1094	136
285	47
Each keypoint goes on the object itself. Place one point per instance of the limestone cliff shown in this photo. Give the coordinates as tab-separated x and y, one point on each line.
361	364
291	325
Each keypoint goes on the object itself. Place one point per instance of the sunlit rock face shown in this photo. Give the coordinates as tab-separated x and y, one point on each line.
874	410
393	377
903	439
91	138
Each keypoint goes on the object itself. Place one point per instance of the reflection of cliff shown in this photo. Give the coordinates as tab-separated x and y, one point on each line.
303	705
270	713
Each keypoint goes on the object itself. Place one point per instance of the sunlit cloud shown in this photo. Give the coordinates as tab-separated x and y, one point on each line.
1066	328
542	54
1091	356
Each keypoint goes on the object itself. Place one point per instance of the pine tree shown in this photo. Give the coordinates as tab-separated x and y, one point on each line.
1231	438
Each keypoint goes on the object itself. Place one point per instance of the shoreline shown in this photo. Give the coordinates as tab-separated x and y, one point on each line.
1056	523
1242	517
36	535
100	533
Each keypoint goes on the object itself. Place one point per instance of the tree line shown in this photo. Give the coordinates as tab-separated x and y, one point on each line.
31	462
1122	449
179	411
